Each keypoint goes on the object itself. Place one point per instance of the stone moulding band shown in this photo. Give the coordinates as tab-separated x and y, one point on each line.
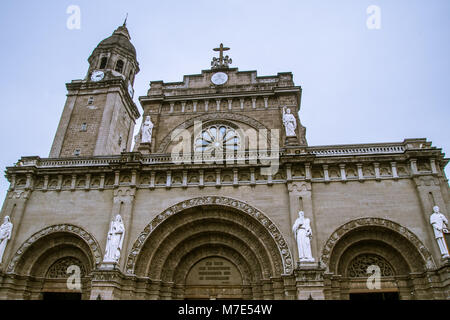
340	232
87	237
243	207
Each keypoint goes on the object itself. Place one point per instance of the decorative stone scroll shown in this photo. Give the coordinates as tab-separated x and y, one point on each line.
90	241
377	222
271	228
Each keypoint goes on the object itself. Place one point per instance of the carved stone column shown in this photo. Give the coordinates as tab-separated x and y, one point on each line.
106	285
310	282
300	200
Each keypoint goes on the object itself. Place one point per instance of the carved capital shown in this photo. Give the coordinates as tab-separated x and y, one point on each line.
124	194
19	194
299	187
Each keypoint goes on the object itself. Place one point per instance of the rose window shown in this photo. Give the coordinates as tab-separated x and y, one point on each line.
217	138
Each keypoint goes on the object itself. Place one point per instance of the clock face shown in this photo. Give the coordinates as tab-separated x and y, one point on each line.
219	78
97	75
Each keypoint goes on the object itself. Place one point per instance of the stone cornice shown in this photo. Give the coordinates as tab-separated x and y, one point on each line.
330	164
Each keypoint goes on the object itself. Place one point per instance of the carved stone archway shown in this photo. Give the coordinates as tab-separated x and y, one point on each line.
87	238
371	221
270	228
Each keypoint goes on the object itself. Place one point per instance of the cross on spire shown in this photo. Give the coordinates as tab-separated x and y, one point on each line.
221	62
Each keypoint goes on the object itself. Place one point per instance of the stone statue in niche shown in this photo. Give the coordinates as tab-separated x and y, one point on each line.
303	234
146	131
5	235
440	225
114	241
290	124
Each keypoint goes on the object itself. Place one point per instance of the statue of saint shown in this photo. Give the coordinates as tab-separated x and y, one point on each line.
440	225
114	242
146	131
290	124
5	235
302	234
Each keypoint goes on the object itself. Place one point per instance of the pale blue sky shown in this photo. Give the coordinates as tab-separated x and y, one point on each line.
359	85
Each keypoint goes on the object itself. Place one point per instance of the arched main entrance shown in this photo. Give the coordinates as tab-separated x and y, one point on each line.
372	257
211	248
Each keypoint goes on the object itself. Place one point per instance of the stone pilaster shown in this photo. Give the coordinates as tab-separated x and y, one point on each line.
300	200
14	207
123	203
429	193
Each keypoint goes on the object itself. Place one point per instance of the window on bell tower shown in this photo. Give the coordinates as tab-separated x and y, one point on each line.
103	62
119	66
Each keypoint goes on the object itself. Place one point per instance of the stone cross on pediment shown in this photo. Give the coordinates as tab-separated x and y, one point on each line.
221	62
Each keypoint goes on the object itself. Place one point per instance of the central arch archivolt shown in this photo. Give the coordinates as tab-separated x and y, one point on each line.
225	223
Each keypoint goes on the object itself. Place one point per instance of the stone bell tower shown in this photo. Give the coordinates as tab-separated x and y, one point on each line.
99	114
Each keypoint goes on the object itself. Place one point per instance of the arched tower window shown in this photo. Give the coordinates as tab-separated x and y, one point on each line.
217	138
103	62
119	66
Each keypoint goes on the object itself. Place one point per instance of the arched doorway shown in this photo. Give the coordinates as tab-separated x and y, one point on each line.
214	238
49	257
372	258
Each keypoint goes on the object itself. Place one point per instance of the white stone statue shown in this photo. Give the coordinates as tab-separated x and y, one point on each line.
146	131
114	243
440	225
5	235
289	122
303	234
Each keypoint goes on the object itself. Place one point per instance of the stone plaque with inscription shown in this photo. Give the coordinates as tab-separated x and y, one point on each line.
214	271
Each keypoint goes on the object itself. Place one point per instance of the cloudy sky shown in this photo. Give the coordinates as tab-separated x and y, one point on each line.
360	85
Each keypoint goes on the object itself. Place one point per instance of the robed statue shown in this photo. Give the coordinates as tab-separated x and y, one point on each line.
303	234
440	226
114	241
146	131
290	124
5	235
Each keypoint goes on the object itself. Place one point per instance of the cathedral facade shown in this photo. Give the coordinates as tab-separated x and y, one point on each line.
219	197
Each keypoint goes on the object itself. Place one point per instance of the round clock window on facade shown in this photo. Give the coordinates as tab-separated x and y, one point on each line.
219	78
